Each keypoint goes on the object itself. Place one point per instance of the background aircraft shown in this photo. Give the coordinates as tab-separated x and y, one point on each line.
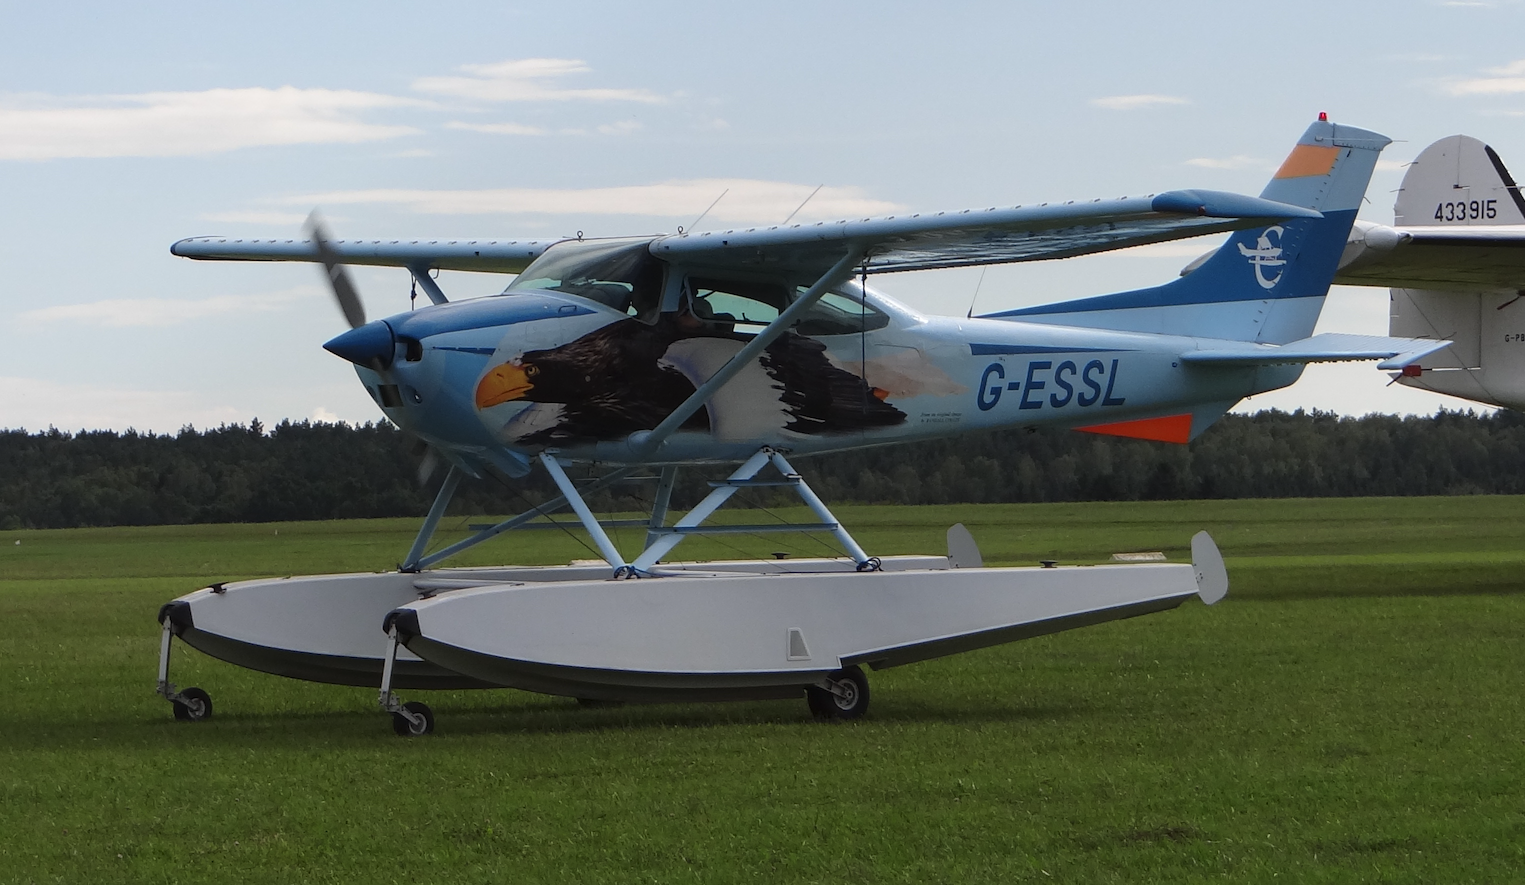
1455	261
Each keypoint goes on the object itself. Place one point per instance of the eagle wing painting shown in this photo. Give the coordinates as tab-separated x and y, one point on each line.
628	376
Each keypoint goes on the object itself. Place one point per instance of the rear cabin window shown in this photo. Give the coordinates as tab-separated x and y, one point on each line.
746	306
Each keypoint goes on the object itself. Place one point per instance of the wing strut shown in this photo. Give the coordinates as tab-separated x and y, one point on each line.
646	443
420	274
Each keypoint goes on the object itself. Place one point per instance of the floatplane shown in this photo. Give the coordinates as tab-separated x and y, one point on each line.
754	347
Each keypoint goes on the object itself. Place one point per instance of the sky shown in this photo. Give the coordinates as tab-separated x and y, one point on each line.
124	127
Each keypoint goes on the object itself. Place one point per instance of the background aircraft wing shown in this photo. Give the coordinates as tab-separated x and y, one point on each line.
496	256
1458	223
924	241
1473	257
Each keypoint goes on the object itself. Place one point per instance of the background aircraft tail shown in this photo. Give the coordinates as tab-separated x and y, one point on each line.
1461	182
1265	285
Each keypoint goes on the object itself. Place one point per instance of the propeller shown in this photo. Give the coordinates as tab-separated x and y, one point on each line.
348	298
338	277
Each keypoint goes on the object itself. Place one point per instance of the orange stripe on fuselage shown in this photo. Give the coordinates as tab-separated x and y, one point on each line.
1308	159
1171	429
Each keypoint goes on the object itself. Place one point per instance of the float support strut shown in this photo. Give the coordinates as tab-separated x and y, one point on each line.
431	522
590	522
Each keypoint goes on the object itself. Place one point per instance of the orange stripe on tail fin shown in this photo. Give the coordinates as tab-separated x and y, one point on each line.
1308	159
1171	429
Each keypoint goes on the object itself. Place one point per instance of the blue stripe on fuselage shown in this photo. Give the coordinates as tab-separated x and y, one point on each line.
995	349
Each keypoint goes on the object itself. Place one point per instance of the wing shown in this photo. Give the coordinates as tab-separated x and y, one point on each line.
910	242
1458	223
497	256
1475	257
977	236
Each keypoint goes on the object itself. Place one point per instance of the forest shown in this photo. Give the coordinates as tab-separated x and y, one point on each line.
305	470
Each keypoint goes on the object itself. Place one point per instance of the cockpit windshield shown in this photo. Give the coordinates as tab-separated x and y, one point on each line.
621	274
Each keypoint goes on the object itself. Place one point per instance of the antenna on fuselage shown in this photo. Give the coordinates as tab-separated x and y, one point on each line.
707	211
802	205
970	314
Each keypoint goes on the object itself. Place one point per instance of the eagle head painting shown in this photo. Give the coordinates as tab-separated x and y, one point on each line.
628	376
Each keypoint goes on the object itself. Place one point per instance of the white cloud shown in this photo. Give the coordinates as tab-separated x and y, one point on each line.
621	128
497	128
1135	102
37	404
525	79
142	312
180	124
1238	161
324	415
1503	80
746	200
279	219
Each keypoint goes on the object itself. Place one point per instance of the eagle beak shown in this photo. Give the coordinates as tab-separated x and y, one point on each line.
503	384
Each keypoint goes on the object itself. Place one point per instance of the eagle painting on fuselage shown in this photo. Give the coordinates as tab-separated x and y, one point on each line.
627	376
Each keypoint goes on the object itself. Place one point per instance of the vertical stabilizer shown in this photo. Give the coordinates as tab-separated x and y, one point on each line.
1458	181
1265	284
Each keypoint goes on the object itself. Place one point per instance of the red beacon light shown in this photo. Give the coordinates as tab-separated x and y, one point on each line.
1323	117
1412	371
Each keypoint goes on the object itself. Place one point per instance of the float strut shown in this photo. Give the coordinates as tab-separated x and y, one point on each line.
436	511
606	547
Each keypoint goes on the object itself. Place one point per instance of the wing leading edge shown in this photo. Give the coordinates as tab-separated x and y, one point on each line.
494	256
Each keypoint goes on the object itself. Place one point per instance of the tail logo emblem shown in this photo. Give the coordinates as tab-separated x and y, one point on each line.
1266	255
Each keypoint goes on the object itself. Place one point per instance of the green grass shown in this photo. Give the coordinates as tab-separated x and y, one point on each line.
1352	712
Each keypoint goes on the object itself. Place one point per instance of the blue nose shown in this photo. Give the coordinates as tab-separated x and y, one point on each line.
365	345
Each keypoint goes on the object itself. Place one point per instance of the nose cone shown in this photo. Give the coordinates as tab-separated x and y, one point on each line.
365	345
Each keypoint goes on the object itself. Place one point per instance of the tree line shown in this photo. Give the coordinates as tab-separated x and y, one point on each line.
314	470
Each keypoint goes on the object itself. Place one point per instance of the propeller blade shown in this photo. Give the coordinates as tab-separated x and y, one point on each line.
428	466
338	277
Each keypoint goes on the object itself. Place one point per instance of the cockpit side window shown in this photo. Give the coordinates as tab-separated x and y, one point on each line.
621	274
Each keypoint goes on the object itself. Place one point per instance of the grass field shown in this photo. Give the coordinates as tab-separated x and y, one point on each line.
1352	712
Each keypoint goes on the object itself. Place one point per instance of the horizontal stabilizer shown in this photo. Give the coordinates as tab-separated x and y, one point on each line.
1329	347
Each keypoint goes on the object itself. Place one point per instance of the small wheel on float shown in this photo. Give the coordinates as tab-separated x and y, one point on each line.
413	720
193	705
850	703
